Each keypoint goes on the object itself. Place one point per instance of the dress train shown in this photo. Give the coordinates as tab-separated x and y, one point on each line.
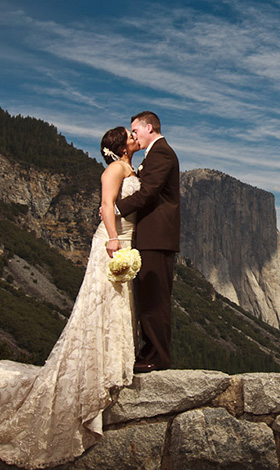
49	415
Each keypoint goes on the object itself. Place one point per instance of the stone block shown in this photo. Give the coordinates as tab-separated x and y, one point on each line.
166	392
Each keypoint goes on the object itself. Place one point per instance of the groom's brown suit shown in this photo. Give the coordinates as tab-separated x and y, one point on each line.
157	237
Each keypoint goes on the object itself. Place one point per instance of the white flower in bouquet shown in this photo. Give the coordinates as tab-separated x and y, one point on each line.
124	265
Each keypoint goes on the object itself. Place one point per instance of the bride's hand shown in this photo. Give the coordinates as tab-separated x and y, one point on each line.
112	246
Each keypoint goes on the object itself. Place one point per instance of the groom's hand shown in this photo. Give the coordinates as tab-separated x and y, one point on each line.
117	211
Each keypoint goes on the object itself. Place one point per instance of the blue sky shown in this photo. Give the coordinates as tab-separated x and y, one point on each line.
209	68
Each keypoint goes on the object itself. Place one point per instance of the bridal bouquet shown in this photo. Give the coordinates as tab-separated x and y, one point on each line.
124	265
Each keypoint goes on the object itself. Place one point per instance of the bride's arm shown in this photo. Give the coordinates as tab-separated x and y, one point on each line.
111	181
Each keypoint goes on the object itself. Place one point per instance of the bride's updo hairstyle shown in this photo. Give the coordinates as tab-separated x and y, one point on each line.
113	144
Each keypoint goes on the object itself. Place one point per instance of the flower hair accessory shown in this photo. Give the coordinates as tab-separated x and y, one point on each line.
124	265
108	153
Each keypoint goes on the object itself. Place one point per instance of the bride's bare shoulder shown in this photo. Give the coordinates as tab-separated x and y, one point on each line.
117	168
114	172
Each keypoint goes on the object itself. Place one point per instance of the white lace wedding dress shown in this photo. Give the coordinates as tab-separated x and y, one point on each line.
51	414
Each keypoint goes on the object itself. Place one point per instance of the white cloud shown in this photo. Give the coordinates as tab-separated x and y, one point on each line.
214	76
192	62
67	92
76	130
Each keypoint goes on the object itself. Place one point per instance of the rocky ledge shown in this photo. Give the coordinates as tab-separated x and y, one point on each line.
190	419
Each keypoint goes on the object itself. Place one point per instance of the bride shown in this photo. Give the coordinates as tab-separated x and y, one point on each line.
51	414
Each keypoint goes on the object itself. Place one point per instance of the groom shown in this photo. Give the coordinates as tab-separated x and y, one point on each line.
157	238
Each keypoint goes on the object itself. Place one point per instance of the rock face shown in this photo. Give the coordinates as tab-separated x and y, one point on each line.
229	232
65	220
189	419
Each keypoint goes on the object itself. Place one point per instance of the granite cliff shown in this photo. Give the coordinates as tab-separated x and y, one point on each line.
229	233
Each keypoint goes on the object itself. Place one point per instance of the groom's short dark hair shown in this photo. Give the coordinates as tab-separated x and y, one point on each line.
149	118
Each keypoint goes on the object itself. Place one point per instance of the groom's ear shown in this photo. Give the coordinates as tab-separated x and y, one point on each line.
150	128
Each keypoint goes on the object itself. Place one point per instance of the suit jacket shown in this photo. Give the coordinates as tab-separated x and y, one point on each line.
158	201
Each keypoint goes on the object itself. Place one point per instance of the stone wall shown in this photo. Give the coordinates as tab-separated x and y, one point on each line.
190	419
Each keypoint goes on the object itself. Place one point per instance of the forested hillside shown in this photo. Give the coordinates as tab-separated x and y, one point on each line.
210	332
56	185
36	143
